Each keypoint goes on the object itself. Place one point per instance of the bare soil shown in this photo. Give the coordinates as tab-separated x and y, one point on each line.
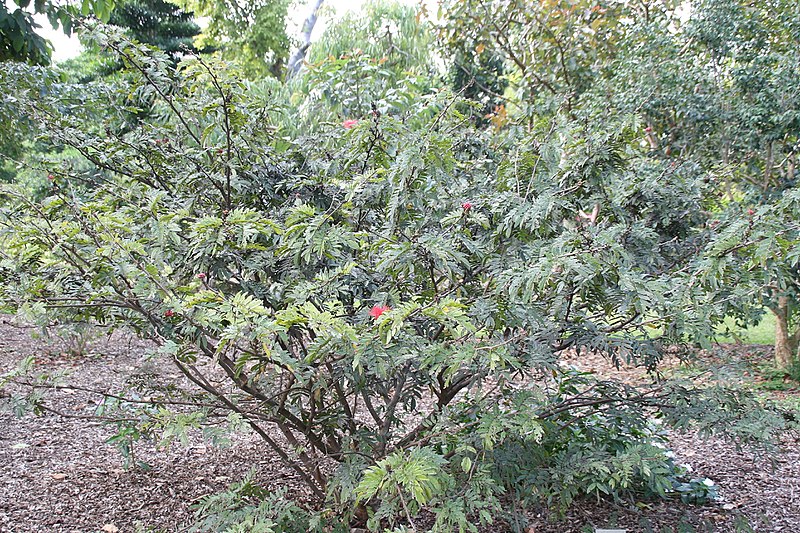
58	474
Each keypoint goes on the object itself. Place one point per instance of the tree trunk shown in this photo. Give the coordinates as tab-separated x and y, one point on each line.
785	342
308	26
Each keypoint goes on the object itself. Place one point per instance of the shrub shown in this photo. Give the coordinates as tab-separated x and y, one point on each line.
388	301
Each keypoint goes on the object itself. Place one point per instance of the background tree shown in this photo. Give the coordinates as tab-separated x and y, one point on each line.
480	77
716	94
759	77
382	30
158	23
18	38
721	95
250	33
368	62
554	50
296	61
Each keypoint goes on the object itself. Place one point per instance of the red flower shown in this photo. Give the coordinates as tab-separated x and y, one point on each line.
51	177
378	310
751	212
350	123
169	313
201	276
648	129
466	206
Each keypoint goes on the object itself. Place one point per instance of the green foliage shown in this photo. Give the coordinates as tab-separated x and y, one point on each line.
378	61
385	30
555	50
16	127
18	403
715	98
479	78
18	38
158	23
245	507
594	438
251	34
403	483
353	87
761	330
722	91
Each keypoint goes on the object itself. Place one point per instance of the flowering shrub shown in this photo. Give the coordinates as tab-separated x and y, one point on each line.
398	352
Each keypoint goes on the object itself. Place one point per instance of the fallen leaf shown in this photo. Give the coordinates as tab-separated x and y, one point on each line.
110	528
58	476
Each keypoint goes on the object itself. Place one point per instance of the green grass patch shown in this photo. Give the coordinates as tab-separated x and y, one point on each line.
761	333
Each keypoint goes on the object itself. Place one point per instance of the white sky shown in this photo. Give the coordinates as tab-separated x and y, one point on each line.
66	47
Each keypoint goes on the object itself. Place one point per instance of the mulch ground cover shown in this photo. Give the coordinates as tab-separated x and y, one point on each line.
58	474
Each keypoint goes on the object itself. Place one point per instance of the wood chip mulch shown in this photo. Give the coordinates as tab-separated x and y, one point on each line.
57	474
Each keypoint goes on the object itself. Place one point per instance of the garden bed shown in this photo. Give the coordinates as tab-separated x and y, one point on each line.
59	475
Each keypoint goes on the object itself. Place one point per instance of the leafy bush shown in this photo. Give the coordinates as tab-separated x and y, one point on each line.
387	299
